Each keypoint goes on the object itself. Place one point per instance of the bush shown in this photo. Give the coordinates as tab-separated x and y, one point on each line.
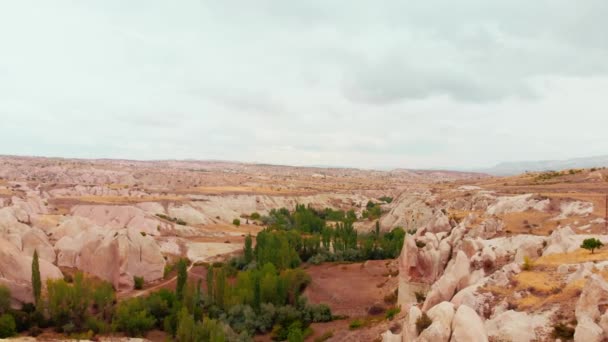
236	222
528	264
5	299
255	216
390	313
138	282
423	322
420	296
133	318
420	244
356	324
8	327
562	331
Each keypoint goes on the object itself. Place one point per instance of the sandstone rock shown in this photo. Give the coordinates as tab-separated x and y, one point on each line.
113	255
388	336
519	203
513	326
467	326
454	278
441	328
409	332
594	293
16	271
587	331
583	271
561	241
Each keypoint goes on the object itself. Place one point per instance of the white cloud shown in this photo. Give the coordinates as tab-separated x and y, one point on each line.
427	84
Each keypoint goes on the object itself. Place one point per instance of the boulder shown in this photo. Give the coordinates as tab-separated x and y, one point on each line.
587	331
467	326
409	332
514	326
388	336
562	240
16	271
441	328
454	278
594	294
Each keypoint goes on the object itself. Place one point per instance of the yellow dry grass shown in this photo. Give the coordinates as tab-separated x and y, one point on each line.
115	186
578	256
6	192
244	190
541	281
122	199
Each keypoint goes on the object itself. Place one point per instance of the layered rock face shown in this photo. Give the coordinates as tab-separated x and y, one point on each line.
16	271
115	255
465	275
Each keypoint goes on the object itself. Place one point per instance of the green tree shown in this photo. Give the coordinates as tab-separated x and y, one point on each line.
8	327
36	282
210	281
592	244
182	278
132	317
186	327
236	222
248	250
5	299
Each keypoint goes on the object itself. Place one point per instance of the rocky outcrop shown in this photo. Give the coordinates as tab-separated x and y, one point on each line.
441	328
454	279
16	271
467	326
514	326
115	255
561	241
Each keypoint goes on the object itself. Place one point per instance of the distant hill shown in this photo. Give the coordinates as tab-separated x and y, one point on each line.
512	168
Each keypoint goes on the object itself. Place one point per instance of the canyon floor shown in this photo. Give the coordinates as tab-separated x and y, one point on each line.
488	258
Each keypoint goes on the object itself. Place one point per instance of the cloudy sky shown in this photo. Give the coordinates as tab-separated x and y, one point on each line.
373	84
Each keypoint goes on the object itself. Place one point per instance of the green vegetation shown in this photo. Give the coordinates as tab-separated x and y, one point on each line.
372	211
386	199
592	244
173	219
8	327
254	216
36	282
306	235
236	222
355	324
392	312
138	282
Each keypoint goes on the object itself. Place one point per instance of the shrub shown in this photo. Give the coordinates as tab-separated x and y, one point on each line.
592	244
255	216
420	296
563	331
236	222
390	313
528	264
392	297
5	299
132	317
420	244
8	327
423	322
356	324
138	282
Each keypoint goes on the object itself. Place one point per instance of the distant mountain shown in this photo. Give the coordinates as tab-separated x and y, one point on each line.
513	168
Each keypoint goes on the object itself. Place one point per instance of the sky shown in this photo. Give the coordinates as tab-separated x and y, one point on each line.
371	84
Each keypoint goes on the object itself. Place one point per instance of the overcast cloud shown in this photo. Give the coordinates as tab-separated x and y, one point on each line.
373	84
